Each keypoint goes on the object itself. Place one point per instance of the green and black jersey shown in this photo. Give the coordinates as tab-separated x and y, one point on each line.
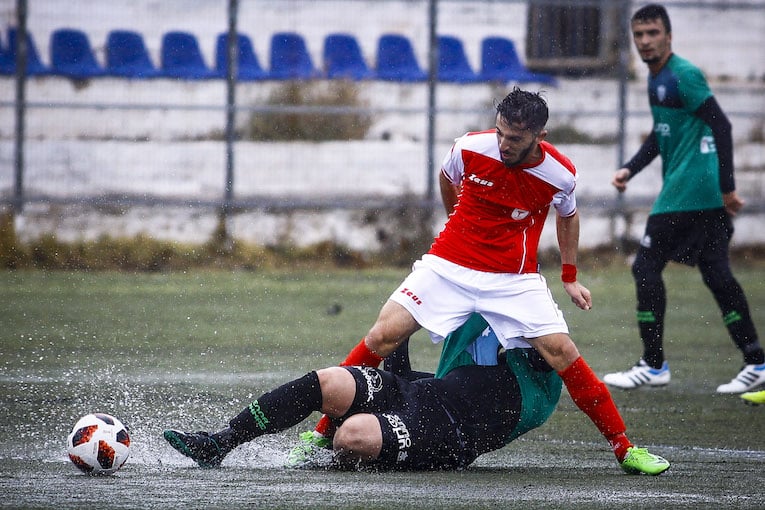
689	155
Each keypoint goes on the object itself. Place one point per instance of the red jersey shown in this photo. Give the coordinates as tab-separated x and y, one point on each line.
500	212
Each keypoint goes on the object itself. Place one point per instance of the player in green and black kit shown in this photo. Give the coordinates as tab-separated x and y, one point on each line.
690	221
479	400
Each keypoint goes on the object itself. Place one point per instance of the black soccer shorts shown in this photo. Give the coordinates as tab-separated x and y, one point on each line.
438	423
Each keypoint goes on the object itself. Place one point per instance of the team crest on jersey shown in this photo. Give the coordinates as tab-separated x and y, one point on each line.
519	214
661	93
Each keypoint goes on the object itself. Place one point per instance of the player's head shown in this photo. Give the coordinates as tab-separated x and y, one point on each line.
652	12
652	33
521	118
524	109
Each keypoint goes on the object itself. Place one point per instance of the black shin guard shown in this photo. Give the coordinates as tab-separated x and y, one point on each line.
278	409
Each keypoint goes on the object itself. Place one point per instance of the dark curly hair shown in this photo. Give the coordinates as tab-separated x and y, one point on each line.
528	109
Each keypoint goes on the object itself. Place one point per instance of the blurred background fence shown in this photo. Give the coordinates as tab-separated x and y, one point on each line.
297	121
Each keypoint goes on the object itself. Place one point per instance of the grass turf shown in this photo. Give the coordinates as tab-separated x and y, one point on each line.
191	349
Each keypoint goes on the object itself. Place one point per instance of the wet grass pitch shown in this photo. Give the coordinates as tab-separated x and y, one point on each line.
190	350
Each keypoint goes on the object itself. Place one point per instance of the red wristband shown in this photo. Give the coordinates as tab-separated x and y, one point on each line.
568	273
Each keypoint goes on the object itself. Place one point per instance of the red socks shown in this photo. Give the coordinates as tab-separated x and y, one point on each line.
591	396
324	427
359	356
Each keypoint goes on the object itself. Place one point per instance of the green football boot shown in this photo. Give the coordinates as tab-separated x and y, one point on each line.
640	461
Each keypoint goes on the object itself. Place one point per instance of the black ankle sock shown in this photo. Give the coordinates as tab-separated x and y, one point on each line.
226	439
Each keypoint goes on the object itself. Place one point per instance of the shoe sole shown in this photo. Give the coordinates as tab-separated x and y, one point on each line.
646	385
759	387
172	438
633	471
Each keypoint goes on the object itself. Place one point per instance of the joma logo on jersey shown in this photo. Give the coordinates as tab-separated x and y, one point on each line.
412	295
483	182
662	129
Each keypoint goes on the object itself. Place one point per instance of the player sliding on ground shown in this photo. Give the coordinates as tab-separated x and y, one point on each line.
497	187
390	422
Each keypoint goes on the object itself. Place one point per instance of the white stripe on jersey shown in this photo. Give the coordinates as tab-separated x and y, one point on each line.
549	170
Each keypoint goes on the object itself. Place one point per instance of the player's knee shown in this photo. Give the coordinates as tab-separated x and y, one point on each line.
358	438
380	341
718	278
338	387
394	325
639	270
559	350
646	275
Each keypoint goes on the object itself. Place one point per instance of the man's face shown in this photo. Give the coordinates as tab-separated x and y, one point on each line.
652	41
517	144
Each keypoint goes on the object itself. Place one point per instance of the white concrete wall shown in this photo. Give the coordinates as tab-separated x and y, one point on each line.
77	152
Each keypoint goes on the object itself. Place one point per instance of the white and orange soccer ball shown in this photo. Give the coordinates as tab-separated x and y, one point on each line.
99	444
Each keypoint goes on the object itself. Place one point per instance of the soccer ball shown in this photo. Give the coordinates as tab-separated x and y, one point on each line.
99	444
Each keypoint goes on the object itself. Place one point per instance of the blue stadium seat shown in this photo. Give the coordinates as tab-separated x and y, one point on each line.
35	66
127	56
500	62
290	58
3	52
343	58
396	60
453	64
248	66
182	58
72	56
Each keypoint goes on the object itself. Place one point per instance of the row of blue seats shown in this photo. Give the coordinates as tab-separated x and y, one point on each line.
71	55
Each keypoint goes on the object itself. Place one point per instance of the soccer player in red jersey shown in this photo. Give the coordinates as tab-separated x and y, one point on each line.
497	187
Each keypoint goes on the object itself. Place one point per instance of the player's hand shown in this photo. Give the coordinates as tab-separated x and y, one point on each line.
580	295
620	179
733	203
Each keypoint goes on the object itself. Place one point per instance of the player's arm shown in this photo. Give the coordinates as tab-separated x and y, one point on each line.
568	243
645	154
713	116
449	192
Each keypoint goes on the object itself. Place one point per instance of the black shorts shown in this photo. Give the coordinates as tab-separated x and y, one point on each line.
687	237
439	423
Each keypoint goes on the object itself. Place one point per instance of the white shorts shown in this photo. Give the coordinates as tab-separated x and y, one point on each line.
441	295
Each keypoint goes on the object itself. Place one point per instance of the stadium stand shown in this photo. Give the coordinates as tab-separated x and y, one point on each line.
127	56
500	62
453	65
35	66
182	58
290	59
343	58
396	60
247	64
72	56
